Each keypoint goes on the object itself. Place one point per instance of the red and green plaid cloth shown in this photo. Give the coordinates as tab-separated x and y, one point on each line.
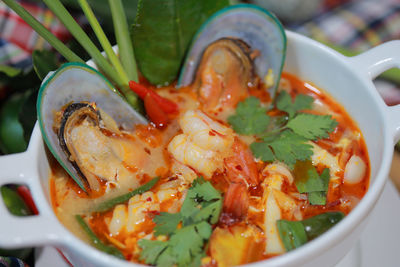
18	40
357	25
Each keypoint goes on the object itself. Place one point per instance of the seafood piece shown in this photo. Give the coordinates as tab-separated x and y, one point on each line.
202	144
129	217
355	170
92	153
225	72
77	83
256	27
242	173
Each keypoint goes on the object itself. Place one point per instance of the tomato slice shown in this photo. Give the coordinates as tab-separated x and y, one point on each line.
154	111
165	104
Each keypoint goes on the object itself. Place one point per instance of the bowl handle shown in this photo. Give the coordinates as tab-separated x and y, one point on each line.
25	231
373	63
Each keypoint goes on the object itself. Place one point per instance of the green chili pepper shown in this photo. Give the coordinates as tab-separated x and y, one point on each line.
318	224
97	243
123	198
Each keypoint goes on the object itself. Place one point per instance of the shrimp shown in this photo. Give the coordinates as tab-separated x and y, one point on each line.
203	143
206	146
130	217
242	173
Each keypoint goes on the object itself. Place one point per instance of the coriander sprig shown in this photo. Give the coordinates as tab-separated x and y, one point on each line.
283	139
187	231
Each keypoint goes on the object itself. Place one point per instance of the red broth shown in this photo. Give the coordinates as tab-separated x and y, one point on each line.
244	224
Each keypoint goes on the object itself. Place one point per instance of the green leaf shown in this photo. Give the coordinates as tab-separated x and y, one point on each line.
151	250
306	177
10	71
11	131
44	61
301	102
189	241
308	181
166	223
162	33
317	198
292	234
287	147
14	203
199	196
312	126
209	213
262	151
319	224
27	114
250	117
185	247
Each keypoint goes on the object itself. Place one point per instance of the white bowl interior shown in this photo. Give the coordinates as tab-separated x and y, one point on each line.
323	68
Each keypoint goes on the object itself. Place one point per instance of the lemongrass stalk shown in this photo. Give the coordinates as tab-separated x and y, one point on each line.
75	29
123	39
103	39
43	32
61	12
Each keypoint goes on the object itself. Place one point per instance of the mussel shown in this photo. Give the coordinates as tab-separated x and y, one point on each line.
224	73
255	27
91	106
237	44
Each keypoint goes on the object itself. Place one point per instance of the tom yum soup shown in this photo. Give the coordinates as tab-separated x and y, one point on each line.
220	168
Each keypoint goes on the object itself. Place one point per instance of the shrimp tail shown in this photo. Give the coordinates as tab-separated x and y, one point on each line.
236	203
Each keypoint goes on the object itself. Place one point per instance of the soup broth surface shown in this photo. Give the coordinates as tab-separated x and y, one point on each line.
200	141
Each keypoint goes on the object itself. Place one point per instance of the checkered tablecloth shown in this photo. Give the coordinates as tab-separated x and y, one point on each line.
18	40
357	25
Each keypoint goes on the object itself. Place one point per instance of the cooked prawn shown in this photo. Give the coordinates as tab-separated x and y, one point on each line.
241	170
203	143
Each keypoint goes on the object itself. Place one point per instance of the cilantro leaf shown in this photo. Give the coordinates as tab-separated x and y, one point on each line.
307	180
166	223
200	195
312	126
284	103
151	250
287	147
317	198
167	258
261	150
210	213
250	117
185	247
189	241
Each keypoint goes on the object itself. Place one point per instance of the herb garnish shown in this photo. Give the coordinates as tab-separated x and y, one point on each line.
250	117
308	181
286	142
188	230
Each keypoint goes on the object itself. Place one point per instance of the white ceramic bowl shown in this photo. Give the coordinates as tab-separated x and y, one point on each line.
348	80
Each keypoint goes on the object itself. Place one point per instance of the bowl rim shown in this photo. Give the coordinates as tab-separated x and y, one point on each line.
67	240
